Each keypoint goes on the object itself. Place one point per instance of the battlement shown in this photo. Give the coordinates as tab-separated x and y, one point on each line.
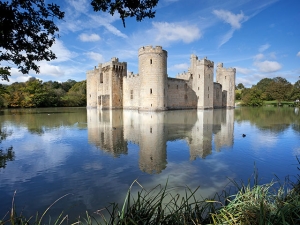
150	49
132	75
206	62
220	67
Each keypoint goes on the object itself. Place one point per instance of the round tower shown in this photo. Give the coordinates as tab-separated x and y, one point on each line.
153	75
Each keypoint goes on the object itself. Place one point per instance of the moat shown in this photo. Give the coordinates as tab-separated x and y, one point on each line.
95	155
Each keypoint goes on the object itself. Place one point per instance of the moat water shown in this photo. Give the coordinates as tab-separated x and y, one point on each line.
94	156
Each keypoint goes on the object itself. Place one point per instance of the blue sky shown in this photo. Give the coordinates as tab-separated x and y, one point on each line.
259	38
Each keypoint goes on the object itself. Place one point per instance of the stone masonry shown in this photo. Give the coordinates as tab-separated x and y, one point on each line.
110	86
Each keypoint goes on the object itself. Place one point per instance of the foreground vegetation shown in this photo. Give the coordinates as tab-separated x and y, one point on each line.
273	203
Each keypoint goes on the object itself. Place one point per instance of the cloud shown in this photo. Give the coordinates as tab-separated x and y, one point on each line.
172	32
243	70
259	56
181	66
298	54
95	56
61	52
89	38
235	20
268	66
48	69
263	47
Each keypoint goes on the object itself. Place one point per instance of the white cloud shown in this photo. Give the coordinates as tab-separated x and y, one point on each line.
268	66
235	20
263	47
95	56
243	70
226	37
89	38
48	69
79	5
181	66
298	54
259	56
172	32
61	52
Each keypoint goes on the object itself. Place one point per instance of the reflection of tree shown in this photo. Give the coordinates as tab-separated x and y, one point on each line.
271	118
8	155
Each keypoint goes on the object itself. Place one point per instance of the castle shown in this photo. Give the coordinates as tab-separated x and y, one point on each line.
110	86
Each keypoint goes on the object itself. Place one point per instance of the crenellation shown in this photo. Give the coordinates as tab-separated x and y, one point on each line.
152	90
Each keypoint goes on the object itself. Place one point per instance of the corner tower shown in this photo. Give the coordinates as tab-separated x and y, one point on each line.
153	75
226	77
203	74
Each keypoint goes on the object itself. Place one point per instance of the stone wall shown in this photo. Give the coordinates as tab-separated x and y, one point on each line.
131	91
180	94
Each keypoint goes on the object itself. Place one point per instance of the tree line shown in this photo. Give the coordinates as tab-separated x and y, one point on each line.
267	89
36	93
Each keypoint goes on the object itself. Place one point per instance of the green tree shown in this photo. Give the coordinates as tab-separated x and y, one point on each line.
263	86
14	95
76	96
27	31
240	86
295	94
279	89
252	97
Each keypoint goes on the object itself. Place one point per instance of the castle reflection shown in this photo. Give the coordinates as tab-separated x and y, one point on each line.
112	130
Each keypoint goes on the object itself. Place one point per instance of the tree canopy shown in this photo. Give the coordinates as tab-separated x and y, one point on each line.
27	31
139	9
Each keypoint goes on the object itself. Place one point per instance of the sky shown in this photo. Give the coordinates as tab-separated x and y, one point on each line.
261	39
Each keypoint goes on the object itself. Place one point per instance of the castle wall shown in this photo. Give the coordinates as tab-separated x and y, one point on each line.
180	94
153	73
131	91
91	87
217	95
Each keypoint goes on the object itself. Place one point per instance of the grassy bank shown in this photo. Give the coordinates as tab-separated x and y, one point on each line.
251	203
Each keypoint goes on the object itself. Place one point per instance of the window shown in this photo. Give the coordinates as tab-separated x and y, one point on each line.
208	88
150	61
150	90
208	95
150	129
198	88
199	75
131	94
185	97
101	77
225	77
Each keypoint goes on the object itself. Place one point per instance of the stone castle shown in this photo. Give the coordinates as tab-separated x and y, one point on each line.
110	86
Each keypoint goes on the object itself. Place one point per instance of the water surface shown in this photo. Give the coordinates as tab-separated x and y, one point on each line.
94	156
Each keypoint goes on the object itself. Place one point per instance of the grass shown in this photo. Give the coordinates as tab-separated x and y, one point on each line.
250	204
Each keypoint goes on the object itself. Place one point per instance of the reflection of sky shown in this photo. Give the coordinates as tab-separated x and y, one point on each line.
61	160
